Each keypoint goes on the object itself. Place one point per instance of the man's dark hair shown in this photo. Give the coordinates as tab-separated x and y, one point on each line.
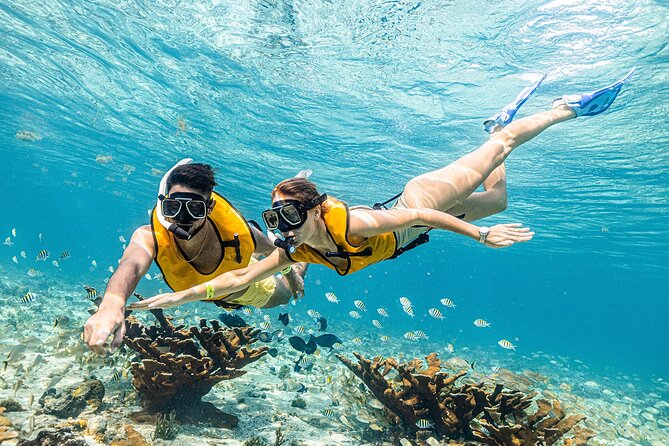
196	176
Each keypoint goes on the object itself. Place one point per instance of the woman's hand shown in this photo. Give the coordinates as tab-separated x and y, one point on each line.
165	300
501	236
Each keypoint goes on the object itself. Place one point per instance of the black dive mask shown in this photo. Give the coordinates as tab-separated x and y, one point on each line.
286	215
184	207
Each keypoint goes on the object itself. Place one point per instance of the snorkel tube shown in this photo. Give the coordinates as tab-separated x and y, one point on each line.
162	193
285	244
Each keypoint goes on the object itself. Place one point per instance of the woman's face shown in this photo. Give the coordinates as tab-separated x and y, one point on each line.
308	230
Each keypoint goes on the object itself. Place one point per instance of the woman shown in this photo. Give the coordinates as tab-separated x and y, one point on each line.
320	229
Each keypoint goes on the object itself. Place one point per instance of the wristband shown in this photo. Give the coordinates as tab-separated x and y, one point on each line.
286	271
210	291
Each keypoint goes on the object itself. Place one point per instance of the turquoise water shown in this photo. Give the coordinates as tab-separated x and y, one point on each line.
367	95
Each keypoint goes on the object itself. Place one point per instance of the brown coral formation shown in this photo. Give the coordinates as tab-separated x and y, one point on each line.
415	396
179	366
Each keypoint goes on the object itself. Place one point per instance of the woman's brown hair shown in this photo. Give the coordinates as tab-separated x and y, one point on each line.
299	189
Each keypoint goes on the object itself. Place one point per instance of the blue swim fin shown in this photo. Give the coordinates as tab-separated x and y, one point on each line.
506	114
591	104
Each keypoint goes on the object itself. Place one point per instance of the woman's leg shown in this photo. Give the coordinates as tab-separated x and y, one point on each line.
450	186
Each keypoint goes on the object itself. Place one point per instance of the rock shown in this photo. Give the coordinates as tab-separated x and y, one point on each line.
74	399
55	437
132	438
11	405
299	403
97	425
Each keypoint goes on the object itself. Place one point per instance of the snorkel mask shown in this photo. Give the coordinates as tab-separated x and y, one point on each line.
183	207
286	215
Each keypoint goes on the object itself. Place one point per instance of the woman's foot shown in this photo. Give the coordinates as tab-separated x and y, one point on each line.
502	118
591	104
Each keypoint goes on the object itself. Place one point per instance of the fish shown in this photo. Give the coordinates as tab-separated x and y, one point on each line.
360	305
8	241
329	413
506	344
305	347
147	276
92	292
377	324
232	320
94	263
31	399
116	375
408	310
247	311
328	379
28	297
332	298
447	302
157	276
13	232
481	323
273	352
300	329
420	334
17	386
305	363
265	325
110	269
65	255
405	302
435	313
32	272
322	323
267	318
122	239
301	388
55	263
15	354
385	338
42	255
327	341
424	424
382	312
356	341
354	314
284	318
265	336
24	255
313	314
15	260
39	236
410	336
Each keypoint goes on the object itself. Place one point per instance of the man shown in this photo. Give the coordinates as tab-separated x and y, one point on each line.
195	235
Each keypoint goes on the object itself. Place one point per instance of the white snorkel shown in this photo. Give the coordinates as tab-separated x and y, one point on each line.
162	193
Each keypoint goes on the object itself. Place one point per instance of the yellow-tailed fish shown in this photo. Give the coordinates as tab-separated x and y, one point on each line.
356	341
382	312
405	302
410	335
28	297
313	313
408	310
42	255
354	314
377	324
435	313
332	298
385	338
447	302
481	323
360	305
420	334
506	344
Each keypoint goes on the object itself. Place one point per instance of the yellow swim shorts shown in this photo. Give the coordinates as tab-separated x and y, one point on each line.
258	293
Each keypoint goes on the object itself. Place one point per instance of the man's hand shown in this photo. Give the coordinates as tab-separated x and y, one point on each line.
109	320
296	284
165	300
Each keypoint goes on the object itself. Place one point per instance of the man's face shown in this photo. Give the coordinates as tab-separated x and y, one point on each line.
184	219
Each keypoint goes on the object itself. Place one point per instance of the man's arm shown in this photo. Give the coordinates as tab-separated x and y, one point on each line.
110	316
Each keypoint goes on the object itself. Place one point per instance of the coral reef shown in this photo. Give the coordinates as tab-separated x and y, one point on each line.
132	438
428	399
71	401
178	366
56	437
11	405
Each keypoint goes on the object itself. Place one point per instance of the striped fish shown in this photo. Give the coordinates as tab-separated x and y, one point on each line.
42	255
506	344
247	311
65	255
332	298
305	362
435	313
267	318
385	338
420	334
360	305
313	313
408	310
300	329
32	272
410	336
265	325
481	323
377	324
329	413
116	375
356	341
354	314
29	297
405	302
424	424
447	302
92	292
382	312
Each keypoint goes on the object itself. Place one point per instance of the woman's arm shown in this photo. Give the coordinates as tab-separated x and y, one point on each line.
226	283
367	223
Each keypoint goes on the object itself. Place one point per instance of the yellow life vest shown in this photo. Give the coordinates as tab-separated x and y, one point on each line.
373	250
232	232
